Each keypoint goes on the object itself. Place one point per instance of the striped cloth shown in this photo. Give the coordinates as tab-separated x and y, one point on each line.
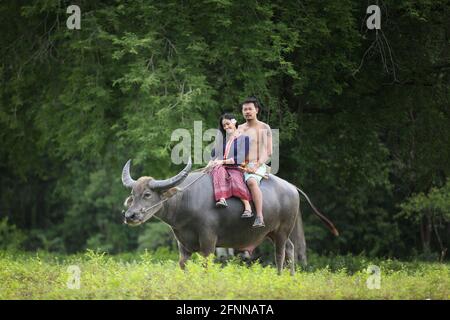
229	182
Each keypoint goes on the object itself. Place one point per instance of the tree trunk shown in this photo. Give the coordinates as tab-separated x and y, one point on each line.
425	232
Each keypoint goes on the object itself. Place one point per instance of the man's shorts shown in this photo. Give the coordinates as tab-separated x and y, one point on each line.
262	170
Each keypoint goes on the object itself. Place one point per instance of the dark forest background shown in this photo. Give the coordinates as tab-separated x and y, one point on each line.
364	115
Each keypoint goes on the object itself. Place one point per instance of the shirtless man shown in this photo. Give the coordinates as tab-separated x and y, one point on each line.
260	151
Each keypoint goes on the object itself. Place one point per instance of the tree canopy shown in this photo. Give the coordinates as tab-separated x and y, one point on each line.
363	114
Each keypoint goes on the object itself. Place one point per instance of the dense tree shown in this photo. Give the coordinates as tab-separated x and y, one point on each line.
363	114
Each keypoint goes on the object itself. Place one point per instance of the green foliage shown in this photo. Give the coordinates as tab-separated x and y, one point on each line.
433	211
156	235
45	276
363	115
10	237
437	201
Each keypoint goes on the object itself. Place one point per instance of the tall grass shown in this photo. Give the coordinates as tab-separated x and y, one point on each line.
157	276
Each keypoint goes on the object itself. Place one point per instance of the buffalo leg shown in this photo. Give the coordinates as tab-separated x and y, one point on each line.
207	246
300	244
184	256
280	252
290	255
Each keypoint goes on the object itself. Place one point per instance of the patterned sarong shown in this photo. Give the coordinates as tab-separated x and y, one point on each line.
229	182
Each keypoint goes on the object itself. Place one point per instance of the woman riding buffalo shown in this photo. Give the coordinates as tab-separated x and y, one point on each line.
230	152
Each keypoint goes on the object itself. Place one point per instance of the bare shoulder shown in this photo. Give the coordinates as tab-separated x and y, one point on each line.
264	126
243	127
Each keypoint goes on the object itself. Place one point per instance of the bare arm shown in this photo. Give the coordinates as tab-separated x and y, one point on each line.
268	147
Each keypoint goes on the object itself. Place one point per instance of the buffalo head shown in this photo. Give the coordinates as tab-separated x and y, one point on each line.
147	194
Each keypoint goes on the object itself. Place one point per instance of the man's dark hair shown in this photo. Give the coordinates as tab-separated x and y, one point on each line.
254	100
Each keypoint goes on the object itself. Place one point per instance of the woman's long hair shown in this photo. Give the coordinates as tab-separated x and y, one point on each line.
221	139
227	116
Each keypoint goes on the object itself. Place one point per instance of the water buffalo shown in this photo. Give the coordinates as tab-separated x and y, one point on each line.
186	203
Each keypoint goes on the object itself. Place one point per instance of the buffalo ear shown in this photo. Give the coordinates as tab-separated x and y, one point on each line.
128	201
170	193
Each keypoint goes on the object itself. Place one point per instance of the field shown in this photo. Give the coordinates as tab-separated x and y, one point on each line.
95	275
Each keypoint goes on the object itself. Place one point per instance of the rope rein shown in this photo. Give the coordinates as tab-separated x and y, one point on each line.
204	171
181	189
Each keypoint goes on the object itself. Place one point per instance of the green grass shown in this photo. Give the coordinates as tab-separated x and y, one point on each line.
148	276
